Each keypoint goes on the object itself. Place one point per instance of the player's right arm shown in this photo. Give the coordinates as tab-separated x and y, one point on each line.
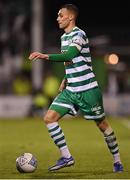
63	84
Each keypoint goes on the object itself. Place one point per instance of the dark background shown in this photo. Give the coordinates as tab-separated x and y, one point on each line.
110	18
94	13
96	17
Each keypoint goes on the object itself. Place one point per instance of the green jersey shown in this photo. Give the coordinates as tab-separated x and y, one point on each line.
79	73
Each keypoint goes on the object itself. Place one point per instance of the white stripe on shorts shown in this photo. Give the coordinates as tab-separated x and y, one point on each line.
94	117
66	105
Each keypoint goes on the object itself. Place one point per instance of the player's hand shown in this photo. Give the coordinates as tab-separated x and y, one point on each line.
37	55
62	85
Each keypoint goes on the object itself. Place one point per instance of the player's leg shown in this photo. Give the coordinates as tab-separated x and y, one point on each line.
111	141
57	110
92	107
51	119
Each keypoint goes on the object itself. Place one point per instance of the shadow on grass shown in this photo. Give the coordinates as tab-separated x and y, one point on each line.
71	175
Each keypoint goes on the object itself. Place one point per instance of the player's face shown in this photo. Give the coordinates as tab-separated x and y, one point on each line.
64	18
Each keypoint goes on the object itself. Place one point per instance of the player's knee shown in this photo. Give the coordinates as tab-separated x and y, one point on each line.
103	125
51	116
47	119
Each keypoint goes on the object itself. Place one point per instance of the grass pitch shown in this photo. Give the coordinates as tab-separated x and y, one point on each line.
93	160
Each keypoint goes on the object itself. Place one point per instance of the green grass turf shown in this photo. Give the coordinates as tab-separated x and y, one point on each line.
85	141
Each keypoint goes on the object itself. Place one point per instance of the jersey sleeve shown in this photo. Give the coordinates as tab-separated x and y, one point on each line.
79	40
67	56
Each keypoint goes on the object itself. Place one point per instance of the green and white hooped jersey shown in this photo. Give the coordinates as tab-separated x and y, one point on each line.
79	72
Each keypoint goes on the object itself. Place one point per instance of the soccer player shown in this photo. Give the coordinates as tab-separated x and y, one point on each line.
78	91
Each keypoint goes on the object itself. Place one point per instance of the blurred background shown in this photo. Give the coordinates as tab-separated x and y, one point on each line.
27	89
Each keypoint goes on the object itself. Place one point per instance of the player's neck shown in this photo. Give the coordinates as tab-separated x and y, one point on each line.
69	28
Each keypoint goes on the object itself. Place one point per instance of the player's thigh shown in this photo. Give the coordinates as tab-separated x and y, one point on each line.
51	116
59	107
92	105
63	104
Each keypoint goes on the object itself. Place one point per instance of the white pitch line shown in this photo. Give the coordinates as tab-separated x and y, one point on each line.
125	122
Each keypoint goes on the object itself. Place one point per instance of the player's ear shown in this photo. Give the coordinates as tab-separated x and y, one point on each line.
71	17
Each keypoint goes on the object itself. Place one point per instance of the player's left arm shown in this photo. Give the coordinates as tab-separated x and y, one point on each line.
74	50
67	56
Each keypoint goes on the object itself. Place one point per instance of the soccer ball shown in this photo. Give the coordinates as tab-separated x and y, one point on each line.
26	163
